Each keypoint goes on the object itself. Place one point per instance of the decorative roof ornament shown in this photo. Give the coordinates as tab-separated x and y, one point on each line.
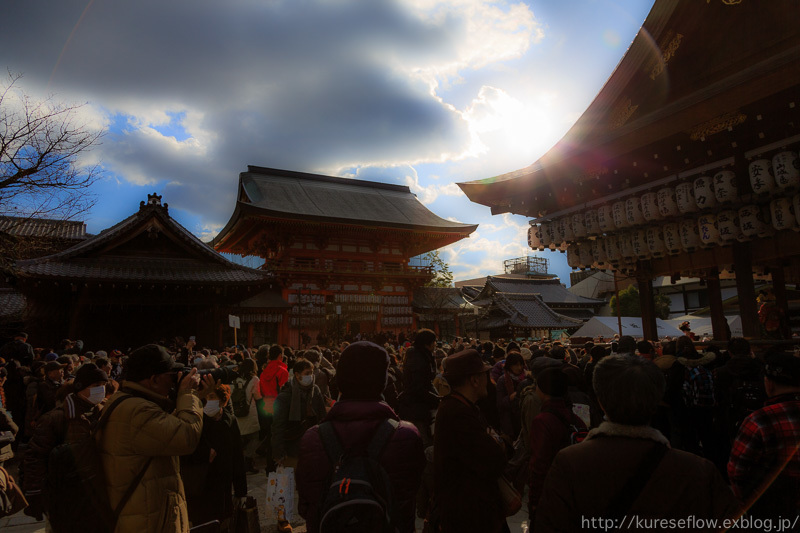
668	49
723	122
153	200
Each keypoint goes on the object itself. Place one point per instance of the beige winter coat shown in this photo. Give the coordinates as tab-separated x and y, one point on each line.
139	428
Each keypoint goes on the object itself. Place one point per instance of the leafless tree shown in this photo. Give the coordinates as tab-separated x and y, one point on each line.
41	143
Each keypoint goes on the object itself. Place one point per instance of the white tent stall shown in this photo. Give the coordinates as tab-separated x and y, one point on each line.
607	326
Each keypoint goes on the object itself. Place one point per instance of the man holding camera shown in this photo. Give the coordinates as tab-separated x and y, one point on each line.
160	418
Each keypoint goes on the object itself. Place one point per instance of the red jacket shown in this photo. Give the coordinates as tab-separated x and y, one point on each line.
354	422
274	376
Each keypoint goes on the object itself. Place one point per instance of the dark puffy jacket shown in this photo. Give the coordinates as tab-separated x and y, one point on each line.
354	422
51	430
419	396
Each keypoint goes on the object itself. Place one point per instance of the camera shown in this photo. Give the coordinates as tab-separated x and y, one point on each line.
225	374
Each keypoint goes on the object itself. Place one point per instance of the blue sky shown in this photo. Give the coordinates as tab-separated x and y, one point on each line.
424	93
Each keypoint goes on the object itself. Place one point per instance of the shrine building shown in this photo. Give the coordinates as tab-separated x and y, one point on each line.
341	249
146	279
686	162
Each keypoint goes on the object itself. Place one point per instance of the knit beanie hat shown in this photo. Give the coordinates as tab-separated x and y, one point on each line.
362	371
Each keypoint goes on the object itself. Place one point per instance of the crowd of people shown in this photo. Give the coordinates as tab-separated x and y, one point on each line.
450	432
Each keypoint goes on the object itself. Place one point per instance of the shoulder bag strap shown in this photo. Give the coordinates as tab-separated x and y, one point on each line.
627	496
106	414
381	438
330	442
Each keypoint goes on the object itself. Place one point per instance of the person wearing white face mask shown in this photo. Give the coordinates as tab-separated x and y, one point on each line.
74	417
298	407
216	465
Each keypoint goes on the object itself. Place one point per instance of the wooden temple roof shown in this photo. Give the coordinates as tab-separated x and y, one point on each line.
699	80
549	291
148	246
43	227
266	193
525	311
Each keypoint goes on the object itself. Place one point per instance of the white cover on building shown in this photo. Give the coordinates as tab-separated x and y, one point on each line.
631	325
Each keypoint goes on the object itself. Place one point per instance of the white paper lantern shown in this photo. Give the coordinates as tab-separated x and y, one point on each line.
633	211
655	241
666	202
599	252
535	238
605	219
579	226
786	166
585	252
725	188
672	238
709	233
612	249
558	237
649	203
573	256
728	226
684	197
565	228
639	243
753	222
546	233
590	219
625	246
618	210
690	236
782	214
762	180
704	192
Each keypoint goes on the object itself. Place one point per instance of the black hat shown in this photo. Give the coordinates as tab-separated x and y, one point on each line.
53	365
150	360
362	371
65	360
464	363
87	375
782	368
553	381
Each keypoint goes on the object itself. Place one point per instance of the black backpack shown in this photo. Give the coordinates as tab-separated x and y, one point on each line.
241	407
358	498
76	486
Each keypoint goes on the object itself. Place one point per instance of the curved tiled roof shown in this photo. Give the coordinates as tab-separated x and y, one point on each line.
93	259
528	310
43	227
551	291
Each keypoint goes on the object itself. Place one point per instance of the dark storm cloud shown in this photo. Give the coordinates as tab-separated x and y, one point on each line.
297	84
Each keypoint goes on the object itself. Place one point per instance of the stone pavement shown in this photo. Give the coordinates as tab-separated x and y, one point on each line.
257	488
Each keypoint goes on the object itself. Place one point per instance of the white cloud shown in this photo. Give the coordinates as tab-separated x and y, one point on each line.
428	194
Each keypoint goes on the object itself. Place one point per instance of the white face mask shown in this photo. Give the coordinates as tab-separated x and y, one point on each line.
211	408
305	381
97	394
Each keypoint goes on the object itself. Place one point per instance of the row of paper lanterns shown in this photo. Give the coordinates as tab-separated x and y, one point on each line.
767	178
687	235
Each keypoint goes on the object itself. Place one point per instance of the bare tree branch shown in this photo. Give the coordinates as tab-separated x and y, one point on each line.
41	144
